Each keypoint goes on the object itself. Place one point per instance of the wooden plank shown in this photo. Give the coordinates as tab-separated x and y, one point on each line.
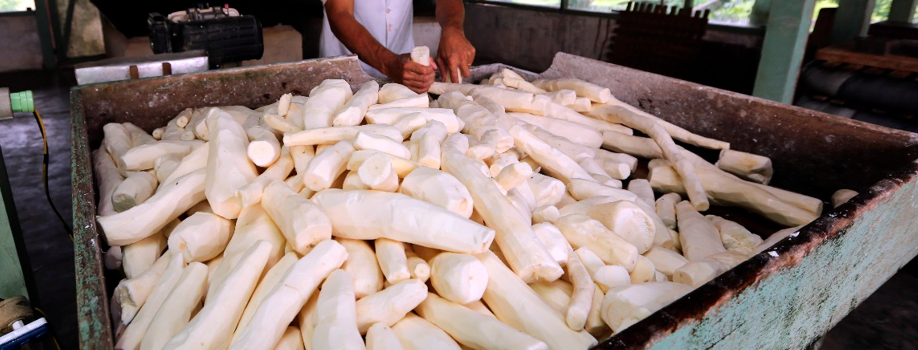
782	49
843	54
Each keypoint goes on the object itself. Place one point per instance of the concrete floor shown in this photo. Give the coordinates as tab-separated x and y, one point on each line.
886	320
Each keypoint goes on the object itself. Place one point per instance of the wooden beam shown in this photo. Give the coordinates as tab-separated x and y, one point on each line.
851	21
759	15
902	10
782	50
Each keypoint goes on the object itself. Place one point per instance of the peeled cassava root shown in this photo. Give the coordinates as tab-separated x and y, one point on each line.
532	236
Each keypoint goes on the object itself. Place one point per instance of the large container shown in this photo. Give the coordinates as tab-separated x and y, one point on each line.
782	298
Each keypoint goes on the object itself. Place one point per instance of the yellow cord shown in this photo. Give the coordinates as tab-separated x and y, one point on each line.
44	172
53	337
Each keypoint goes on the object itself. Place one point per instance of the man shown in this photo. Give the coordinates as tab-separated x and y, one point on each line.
380	33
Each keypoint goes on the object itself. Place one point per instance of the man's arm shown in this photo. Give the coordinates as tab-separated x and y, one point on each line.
455	52
357	39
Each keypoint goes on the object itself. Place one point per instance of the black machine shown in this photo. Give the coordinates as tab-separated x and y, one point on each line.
224	34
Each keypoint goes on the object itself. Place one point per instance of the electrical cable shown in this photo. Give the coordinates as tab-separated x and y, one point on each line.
44	173
50	330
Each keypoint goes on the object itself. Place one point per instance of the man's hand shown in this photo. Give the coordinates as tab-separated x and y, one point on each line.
455	54
415	76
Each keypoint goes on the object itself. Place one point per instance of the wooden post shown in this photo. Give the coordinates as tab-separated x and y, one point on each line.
759	15
14	279
851	20
902	11
782	50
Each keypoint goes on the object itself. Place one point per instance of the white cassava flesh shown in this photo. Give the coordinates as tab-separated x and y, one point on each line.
324	100
267	283
735	237
213	326
515	304
390	305
552	161
747	166
228	166
156	212
134	190
251	193
624	306
401	166
725	190
628	221
143	157
642	189
666	208
362	266
479	121
582	295
332	135
417	267
425	144
352	112
176	309
644	271
582	231
363	214
698	236
139	256
367	141
713	176
665	260
547	190
381	337
264	148
252	226
392	260
591	91
553	240
302	222
165	166
686	170
376	173
197	159
327	166
201	237
473	329
306	319
393	92
842	196
459	278
291	340
133	293
134	334
336	315
282	304
392	115
525	254
439	188
107	179
416	333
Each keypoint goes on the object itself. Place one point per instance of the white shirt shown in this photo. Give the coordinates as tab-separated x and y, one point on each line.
388	21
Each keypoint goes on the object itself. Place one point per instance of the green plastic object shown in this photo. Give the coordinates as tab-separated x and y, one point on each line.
22	101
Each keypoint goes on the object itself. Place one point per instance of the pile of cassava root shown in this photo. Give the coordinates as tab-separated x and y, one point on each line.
365	220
